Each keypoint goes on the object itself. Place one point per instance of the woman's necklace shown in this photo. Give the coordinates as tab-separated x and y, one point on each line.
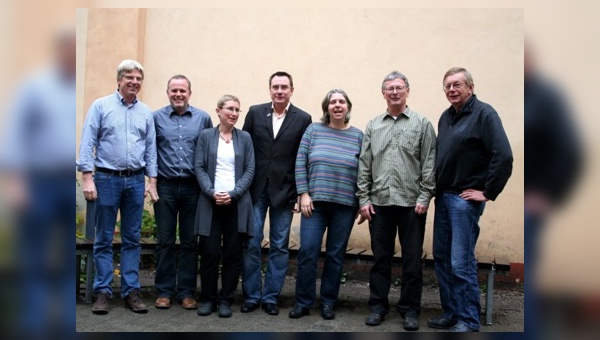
227	140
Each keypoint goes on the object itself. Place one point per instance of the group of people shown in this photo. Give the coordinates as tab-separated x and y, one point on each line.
215	185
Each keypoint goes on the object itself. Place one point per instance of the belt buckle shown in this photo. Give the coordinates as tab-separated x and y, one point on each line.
125	173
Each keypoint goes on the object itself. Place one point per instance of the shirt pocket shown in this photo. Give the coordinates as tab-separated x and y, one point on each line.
409	139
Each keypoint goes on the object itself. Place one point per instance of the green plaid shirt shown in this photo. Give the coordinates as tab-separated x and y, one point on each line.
397	160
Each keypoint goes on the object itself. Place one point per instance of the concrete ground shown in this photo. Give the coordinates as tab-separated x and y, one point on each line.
350	314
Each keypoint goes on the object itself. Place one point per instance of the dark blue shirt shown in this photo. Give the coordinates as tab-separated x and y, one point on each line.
176	138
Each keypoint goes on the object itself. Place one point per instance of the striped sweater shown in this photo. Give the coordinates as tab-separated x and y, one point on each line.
327	164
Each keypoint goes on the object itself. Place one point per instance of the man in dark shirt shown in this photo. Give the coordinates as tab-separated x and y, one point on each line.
473	164
554	160
178	126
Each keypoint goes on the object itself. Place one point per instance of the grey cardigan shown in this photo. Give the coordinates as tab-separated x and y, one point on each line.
205	164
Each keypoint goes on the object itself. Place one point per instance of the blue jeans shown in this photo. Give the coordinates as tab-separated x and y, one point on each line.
277	263
127	195
455	233
178	203
44	260
338	219
534	311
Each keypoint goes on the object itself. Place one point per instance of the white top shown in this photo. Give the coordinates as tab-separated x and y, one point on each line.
225	172
278	119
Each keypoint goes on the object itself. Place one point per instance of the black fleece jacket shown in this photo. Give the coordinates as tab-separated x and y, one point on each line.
473	151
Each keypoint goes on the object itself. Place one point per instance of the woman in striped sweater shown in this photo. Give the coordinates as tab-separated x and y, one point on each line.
326	171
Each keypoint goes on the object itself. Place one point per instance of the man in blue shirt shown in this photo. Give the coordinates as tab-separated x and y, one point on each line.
178	126
119	143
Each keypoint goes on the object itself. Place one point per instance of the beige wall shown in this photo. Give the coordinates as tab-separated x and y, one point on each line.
235	50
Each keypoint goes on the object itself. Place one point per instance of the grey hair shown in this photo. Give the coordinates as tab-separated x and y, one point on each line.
226	98
456	70
128	65
394	75
325	106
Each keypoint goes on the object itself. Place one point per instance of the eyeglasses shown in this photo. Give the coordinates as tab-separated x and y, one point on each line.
231	109
392	88
457	86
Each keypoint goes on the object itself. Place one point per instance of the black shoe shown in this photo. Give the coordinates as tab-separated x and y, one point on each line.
248	307
101	304
374	319
206	308
441	322
411	322
327	312
270	308
461	327
134	301
224	310
297	312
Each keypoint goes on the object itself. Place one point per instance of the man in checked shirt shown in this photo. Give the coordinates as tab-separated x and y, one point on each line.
395	184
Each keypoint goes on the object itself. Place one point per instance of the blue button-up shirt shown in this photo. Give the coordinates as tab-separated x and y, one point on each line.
118	136
176	137
39	134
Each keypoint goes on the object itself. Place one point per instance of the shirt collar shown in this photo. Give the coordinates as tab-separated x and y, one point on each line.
187	111
468	107
122	100
287	108
407	112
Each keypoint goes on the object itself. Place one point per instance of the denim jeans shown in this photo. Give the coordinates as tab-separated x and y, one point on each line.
224	242
277	263
410	226
455	233
127	195
338	219
176	274
534	312
45	258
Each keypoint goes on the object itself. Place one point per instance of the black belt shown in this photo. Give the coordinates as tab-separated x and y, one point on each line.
122	173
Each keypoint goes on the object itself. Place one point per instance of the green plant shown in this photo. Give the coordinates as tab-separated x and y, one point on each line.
344	278
79	219
148	224
148	228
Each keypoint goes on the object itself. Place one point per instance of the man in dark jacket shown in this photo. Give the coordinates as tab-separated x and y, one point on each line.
554	160
473	164
276	129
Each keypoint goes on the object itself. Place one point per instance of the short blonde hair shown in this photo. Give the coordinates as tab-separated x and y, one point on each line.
226	98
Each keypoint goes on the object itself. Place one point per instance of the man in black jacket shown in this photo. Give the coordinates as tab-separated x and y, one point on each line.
473	164
554	160
276	129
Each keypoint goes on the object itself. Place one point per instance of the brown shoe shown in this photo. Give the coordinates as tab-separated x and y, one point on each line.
163	303
101	304
134	302
189	303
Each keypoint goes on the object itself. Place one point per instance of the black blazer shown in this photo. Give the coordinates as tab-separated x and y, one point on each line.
275	157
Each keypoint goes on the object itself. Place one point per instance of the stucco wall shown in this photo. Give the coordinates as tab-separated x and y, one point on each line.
235	50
